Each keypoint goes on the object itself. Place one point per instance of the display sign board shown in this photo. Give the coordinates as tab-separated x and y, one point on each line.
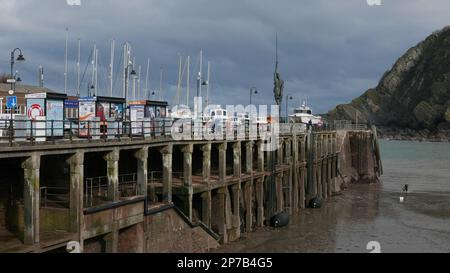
55	115
86	113
71	104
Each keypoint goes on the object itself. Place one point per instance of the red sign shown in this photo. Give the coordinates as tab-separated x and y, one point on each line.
34	111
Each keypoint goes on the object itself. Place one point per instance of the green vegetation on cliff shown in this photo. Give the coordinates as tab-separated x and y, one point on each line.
414	94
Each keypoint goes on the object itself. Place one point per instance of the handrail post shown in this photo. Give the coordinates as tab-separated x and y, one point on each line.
119	130
52	133
11	132
89	130
131	130
70	132
31	132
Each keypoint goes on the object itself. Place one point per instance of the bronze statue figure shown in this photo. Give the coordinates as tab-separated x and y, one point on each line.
278	82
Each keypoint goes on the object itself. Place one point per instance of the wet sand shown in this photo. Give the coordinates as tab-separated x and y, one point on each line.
362	213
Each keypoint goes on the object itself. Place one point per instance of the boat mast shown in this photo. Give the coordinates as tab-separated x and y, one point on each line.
199	78
134	81
41	76
188	82
177	100
96	72
111	67
146	79
124	69
94	51
78	67
139	84
207	83
65	64
160	83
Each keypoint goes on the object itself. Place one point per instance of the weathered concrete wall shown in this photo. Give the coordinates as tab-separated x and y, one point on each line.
357	158
54	219
168	232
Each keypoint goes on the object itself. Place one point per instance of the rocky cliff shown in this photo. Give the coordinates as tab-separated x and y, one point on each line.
412	99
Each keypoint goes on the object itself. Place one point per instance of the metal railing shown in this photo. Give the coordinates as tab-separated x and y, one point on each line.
55	197
348	125
22	131
96	188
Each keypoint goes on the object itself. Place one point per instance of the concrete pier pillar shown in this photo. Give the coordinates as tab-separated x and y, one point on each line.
167	172
280	153
187	151
206	169
142	157
76	168
279	192
236	219
206	208
324	178
288	177
112	239
302	191
187	164
112	172
31	167
319	178
222	224
295	173
260	202
222	147
259	147
237	159
249	156
248	198
329	178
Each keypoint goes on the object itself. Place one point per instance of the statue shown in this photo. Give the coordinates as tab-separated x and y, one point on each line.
278	82
278	87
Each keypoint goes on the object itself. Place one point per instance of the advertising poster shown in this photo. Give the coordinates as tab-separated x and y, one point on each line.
86	113
137	114
160	112
116	110
55	113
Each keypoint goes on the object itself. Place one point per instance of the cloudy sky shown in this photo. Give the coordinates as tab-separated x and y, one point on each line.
330	51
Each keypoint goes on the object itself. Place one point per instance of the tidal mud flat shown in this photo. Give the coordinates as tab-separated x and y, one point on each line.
361	214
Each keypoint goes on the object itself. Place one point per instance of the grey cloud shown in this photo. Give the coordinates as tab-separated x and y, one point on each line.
330	50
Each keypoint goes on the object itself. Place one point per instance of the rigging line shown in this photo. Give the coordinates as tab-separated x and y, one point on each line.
85	69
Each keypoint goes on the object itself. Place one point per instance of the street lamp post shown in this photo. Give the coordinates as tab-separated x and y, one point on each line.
132	73
253	90
20	58
288	97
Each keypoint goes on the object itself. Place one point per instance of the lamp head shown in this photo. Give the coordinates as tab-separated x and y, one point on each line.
20	58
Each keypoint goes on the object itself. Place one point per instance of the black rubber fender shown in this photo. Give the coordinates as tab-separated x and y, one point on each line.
280	220
316	202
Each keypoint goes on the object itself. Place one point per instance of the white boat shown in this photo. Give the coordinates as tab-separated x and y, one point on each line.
303	114
215	113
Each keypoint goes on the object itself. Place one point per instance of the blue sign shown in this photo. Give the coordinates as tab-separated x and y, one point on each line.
11	101
72	104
